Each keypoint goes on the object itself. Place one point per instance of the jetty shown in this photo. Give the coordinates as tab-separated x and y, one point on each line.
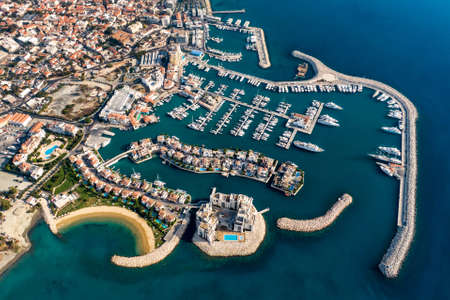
261	47
291	139
236	11
254	107
318	223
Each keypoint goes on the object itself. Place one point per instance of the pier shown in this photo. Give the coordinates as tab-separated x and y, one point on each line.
264	128
309	129
261	47
224	119
236	11
252	106
291	139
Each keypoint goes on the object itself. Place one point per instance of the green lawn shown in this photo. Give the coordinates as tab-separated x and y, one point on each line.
63	179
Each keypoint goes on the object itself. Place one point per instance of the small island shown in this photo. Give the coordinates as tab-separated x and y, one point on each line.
229	225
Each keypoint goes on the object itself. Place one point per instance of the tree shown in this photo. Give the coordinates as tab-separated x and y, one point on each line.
4	204
12	191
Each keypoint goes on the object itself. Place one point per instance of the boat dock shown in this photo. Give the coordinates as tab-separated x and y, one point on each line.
253	107
259	134
261	48
309	129
236	11
291	139
304	86
224	119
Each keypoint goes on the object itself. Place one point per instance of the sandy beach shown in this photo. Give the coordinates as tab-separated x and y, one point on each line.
158	254
18	221
138	225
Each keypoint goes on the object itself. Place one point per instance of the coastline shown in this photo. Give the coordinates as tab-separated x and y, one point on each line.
156	255
226	249
318	223
12	257
139	227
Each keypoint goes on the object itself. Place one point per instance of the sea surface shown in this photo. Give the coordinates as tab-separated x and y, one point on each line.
405	44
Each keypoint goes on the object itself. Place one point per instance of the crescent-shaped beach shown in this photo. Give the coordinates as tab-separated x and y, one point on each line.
140	228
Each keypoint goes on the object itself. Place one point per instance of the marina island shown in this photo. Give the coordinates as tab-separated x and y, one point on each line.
170	81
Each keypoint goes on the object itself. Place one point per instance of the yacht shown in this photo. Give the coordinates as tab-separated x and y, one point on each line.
386	169
394	130
390	150
333	106
307	146
327	120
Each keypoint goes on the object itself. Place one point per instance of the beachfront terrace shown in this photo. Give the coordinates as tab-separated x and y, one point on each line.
159	205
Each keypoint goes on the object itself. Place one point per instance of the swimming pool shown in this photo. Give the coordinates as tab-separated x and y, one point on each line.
50	150
230	237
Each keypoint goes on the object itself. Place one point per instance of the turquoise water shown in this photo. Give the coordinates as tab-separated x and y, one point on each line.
384	40
230	237
50	150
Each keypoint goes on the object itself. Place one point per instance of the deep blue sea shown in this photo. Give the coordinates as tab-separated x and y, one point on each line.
405	44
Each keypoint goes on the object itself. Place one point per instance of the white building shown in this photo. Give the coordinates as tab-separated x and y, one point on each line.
206	222
120	102
135	27
36	172
63	128
9	44
234	212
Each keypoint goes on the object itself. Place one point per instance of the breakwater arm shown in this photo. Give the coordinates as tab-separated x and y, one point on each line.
156	255
397	252
318	223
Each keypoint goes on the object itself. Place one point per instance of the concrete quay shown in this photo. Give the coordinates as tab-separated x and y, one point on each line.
156	255
251	244
261	47
318	223
397	252
310	128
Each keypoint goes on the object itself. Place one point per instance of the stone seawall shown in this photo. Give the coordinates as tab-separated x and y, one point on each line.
235	248
318	223
397	252
156	255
